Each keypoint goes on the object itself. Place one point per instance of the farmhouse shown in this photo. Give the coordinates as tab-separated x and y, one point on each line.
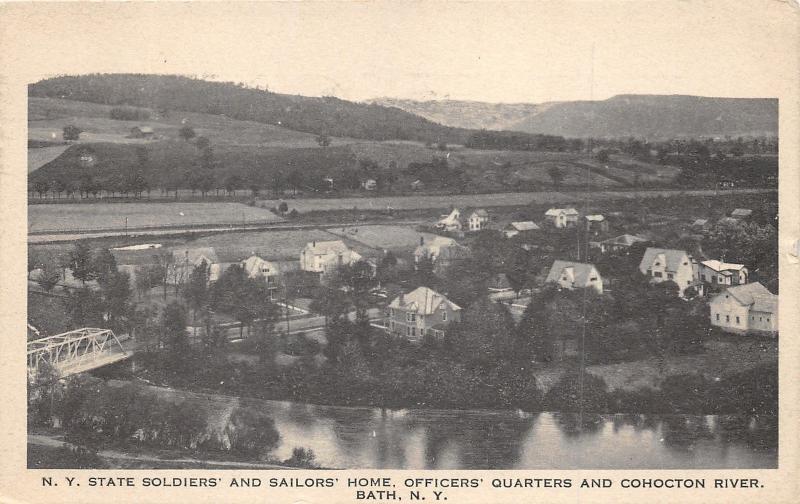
422	312
141	132
618	244
478	219
324	257
571	275
450	222
184	260
562	217
661	265
369	184
715	272
743	308
515	228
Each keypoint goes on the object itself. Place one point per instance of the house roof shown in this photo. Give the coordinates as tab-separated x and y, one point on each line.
499	282
581	272
553	212
434	245
481	213
755	295
326	247
596	218
524	226
700	222
451	218
252	265
625	239
741	212
422	300
195	255
673	258
729	221
721	266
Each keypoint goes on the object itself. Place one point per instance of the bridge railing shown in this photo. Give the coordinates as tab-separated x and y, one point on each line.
71	347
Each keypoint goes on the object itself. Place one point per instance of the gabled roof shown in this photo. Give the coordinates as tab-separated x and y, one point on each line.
480	213
741	212
195	255
700	222
252	265
754	295
499	282
673	258
553	212
524	226
326	247
422	300
595	218
625	239
730	221
720	266
581	272
451	218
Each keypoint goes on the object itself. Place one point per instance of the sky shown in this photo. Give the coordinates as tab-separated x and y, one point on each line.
498	52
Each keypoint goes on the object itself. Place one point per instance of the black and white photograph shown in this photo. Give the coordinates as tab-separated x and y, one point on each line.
558	264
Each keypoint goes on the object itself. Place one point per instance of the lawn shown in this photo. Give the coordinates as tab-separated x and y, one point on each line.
274	245
75	217
394	238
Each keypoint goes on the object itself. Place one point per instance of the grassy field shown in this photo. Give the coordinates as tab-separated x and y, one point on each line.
274	245
394	238
43	155
47	117
69	217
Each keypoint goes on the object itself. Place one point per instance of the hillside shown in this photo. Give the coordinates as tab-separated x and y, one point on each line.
326	115
651	116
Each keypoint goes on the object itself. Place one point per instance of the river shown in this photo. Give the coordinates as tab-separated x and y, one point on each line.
344	437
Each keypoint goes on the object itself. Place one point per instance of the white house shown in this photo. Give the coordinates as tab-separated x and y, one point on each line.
562	217
620	243
743	308
256	267
570	275
515	228
661	265
421	312
715	272
369	184
450	222
478	219
325	257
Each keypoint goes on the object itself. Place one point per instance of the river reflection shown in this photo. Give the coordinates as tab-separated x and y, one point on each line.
452	439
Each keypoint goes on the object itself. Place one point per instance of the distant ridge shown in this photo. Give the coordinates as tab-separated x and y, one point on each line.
650	116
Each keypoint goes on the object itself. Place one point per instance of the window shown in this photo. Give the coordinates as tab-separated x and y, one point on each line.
411	317
391	325
670	276
717	317
657	263
737	320
657	274
727	318
593	279
444	315
688	282
414	331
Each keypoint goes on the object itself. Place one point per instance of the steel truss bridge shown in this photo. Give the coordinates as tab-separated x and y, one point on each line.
76	351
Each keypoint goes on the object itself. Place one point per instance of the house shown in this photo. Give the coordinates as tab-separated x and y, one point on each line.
515	228
741	213
596	223
256	267
743	308
417	184
570	275
618	244
562	217
478	220
185	260
730	221
450	222
441	251
700	224
142	132
715	272
369	184
422	312
661	265
325	257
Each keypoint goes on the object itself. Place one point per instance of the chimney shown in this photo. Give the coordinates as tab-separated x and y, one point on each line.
421	241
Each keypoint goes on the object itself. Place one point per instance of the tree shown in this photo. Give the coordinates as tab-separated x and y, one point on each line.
187	133
196	292
71	132
85	308
173	328
603	156
483	337
251	432
323	140
556	175
48	276
80	261
202	142
295	180
103	266
283	207
116	297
